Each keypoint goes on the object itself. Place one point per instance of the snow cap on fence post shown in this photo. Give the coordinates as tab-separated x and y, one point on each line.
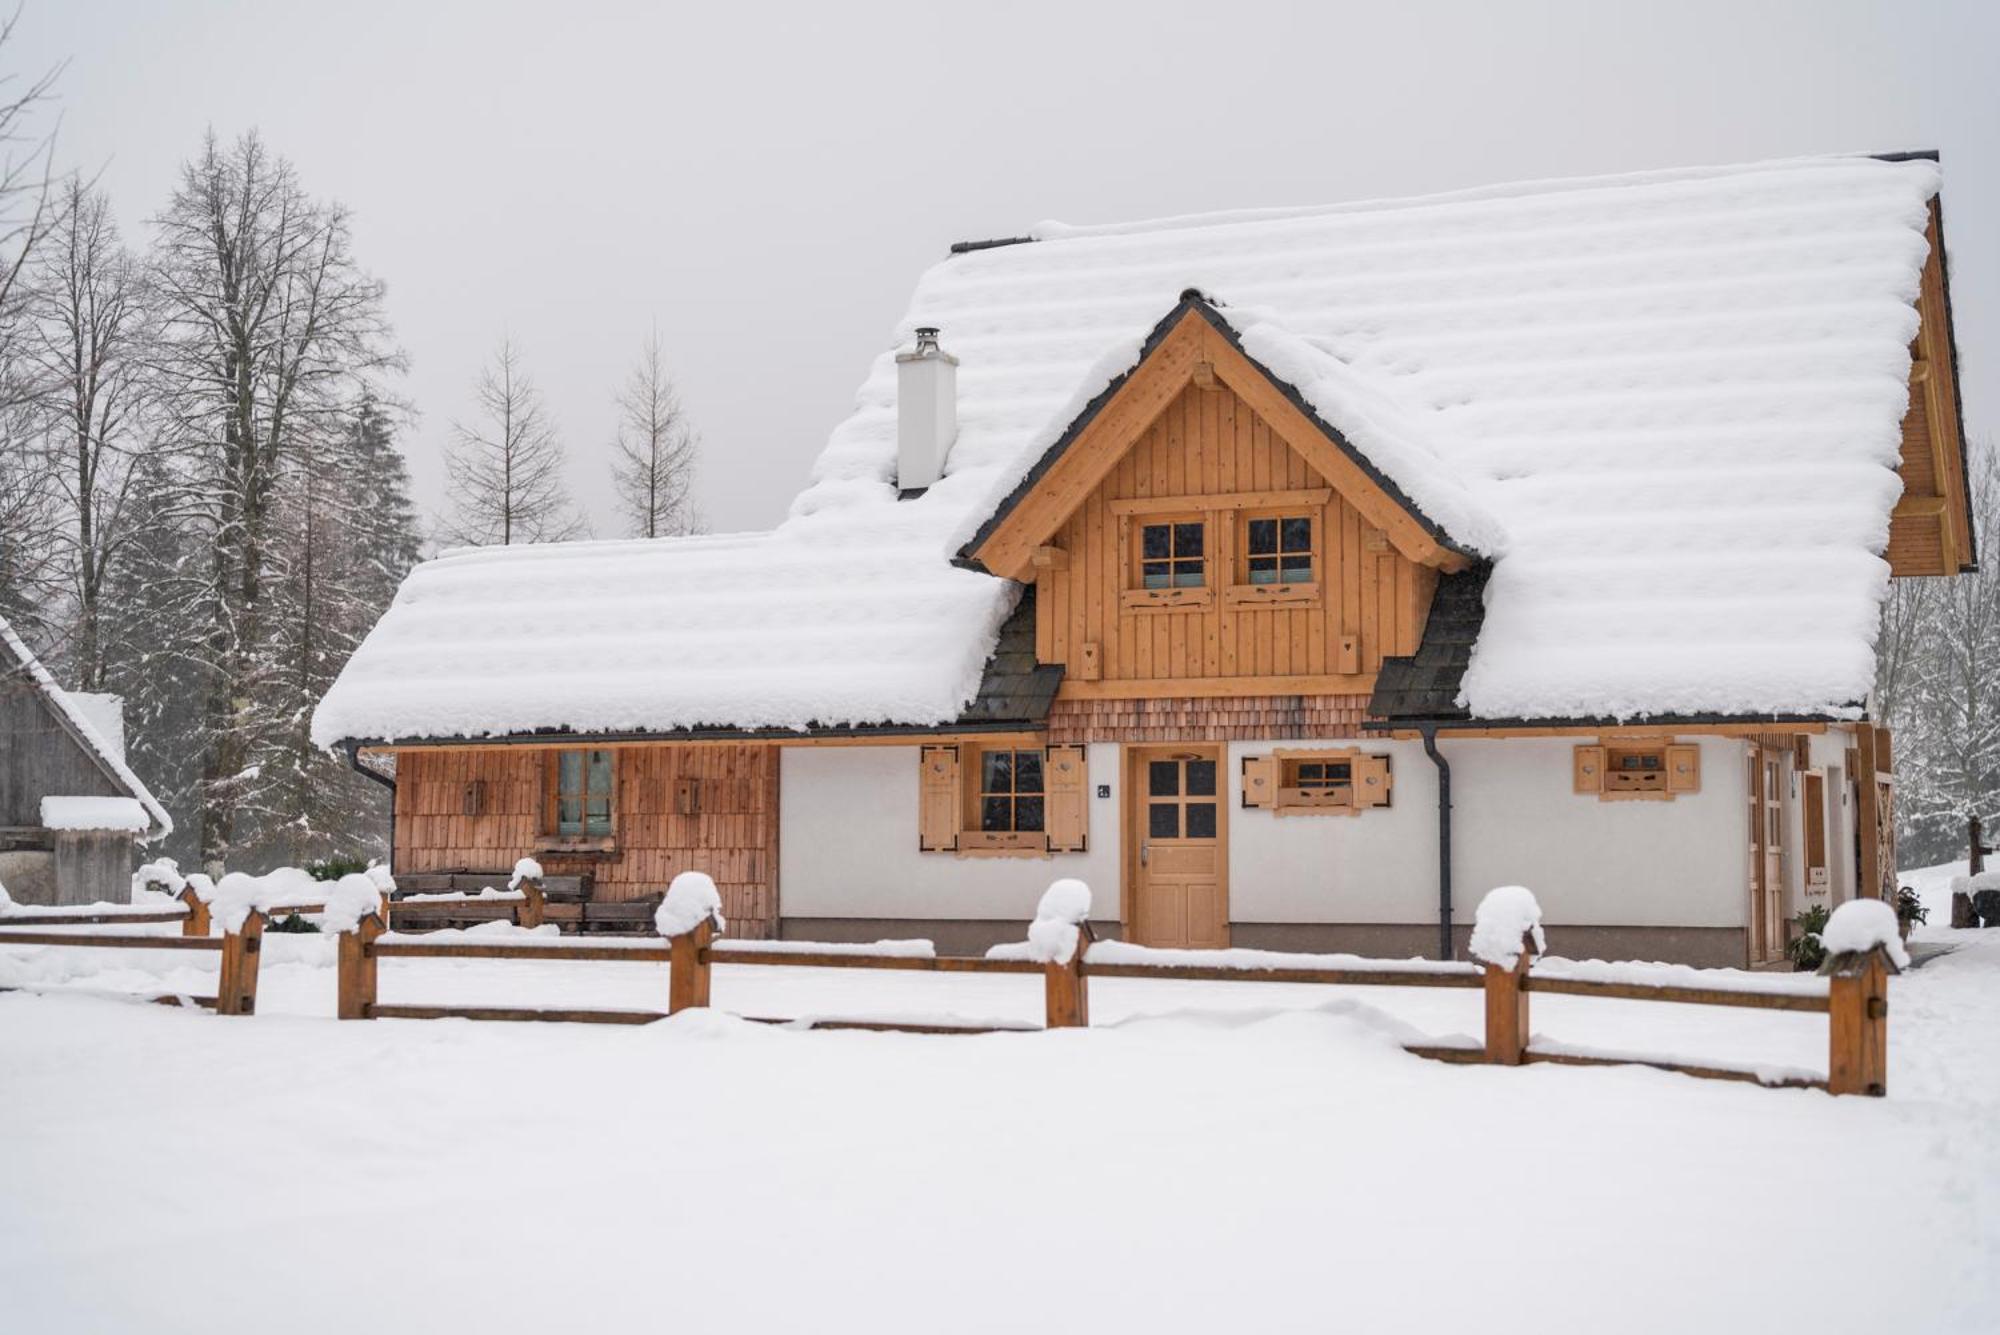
353	897
691	900
1859	926
1059	919
1507	920
527	869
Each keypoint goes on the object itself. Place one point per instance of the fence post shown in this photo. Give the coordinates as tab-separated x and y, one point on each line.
687	967
236	992
1857	996
356	997
1507	1007
196	923
533	906
1068	993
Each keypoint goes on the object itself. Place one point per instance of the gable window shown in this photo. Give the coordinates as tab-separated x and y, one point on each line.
1278	559
1298	782
580	795
1171	556
1280	550
1001	799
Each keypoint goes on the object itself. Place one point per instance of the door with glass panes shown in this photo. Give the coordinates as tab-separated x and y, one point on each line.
1177	863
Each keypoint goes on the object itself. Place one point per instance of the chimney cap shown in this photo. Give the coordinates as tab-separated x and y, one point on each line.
927	348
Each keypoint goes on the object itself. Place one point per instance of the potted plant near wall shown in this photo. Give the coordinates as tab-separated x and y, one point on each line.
1910	911
1806	951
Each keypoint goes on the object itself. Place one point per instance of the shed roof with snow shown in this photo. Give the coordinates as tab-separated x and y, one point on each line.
1663	408
58	769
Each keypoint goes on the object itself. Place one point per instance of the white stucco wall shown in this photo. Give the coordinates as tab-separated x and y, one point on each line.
1516	820
847	844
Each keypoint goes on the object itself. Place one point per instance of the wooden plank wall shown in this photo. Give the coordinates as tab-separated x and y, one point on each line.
1926	534
1208	443
38	757
734	836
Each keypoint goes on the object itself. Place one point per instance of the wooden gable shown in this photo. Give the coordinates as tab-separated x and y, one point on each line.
1199	435
1930	532
1192	347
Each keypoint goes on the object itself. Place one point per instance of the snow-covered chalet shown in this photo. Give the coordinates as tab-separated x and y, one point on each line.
1291	576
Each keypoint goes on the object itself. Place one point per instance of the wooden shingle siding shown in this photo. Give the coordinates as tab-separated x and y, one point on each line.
1208	719
1208	447
733	835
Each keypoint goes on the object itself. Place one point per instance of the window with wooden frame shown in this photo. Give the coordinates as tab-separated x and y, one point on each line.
1622	770
1170	563
1279	558
1345	781
1002	798
580	798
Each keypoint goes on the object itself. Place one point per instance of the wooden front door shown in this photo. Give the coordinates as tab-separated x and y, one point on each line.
1178	866
1767	854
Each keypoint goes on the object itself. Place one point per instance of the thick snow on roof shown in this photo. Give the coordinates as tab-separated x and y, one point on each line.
1666	405
93	813
816	623
111	759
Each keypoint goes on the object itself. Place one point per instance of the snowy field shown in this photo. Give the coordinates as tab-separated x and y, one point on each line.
1208	1157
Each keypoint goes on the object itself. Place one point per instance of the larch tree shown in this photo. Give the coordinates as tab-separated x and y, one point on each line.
506	465
655	451
270	332
88	340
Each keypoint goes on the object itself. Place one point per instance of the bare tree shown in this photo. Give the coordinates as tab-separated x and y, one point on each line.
270	332
87	340
655	451
28	206
506	469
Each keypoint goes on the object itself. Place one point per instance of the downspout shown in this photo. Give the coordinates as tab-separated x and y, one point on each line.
353	750
1429	731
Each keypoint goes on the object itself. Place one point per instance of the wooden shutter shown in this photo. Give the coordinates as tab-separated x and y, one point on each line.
1801	753
1590	769
1260	782
1372	782
1684	769
1066	774
1812	797
937	799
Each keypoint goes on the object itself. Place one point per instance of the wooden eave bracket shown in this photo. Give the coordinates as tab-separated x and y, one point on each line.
1191	350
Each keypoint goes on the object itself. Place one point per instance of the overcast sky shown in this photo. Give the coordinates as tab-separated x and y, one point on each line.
766	181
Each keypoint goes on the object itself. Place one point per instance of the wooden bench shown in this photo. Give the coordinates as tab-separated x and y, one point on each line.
569	903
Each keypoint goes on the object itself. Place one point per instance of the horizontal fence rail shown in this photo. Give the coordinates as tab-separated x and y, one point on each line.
240	950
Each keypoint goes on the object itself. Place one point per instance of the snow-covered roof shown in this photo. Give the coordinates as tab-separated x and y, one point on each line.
109	759
94	813
1665	405
835	625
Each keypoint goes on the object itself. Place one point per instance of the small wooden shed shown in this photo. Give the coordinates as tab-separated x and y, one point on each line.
71	810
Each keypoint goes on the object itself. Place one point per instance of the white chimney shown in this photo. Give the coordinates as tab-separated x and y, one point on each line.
926	411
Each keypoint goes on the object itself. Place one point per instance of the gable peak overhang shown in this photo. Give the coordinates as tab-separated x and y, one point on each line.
1195	339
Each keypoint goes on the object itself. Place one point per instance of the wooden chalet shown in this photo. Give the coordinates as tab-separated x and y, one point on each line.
1292	577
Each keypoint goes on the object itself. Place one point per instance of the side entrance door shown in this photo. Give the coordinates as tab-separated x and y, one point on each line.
1767	854
1177	862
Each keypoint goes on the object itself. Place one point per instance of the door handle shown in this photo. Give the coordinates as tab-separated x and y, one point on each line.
1145	853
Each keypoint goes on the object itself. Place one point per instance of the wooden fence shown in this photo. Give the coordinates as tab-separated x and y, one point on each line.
1855	1000
240	950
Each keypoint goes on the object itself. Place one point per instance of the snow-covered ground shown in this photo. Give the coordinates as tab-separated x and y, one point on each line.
1209	1156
